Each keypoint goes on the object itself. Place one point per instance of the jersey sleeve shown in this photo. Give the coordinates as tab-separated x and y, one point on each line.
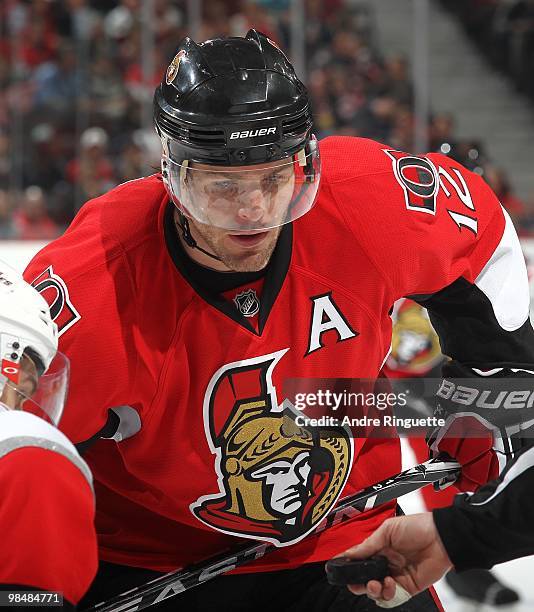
435	232
84	279
46	518
495	524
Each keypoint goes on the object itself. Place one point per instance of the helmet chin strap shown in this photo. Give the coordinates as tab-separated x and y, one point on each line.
183	224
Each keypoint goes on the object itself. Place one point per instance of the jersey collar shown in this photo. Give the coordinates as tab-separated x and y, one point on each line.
210	284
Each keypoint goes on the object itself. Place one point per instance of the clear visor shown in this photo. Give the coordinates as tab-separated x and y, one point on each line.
245	198
43	396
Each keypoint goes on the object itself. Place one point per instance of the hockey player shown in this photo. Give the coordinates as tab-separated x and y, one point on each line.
46	496
492	526
185	300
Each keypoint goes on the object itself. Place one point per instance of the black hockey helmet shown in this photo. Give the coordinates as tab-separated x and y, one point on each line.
234	102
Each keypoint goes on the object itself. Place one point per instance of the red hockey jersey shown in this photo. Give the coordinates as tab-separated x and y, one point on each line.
207	439
46	510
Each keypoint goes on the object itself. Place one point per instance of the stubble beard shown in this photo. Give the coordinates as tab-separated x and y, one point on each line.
245	261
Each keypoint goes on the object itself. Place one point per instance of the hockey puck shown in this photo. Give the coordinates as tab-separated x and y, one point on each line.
342	571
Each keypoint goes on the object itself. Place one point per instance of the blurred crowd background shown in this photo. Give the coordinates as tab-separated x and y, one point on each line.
504	31
76	85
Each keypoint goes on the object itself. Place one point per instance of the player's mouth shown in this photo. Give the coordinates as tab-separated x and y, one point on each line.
250	240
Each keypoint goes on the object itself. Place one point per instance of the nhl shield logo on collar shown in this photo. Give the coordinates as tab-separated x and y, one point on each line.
247	303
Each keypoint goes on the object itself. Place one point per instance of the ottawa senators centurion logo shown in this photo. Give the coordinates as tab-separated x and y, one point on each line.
174	66
276	480
415	347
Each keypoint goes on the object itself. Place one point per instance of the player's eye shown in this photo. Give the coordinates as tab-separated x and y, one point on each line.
222	189
273	182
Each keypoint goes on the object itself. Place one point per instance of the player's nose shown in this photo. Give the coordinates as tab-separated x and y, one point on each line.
251	206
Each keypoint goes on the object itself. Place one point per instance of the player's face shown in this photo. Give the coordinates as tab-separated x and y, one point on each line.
247	252
254	202
244	198
13	396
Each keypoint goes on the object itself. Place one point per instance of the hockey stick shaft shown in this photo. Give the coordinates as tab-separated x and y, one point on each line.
375	495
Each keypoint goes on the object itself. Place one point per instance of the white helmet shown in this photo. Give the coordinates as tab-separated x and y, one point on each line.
26	328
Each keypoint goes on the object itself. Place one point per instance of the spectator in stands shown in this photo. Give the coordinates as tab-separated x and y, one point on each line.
92	173
216	21
132	162
250	15
45	159
31	220
441	133
324	118
107	98
499	182
318	34
120	21
398	81
167	19
77	20
38	40
58	84
403	129
380	120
